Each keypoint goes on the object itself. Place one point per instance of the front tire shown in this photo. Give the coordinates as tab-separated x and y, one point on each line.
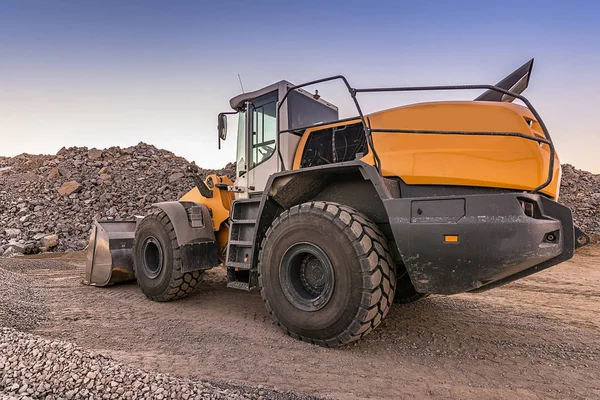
326	273
157	260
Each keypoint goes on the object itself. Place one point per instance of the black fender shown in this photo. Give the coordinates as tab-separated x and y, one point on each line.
300	185
193	227
353	183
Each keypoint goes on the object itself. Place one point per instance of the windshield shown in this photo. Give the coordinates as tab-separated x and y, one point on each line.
303	111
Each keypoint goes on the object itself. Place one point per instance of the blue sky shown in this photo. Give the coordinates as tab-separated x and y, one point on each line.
103	73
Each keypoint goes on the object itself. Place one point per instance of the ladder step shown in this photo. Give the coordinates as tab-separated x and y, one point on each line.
244	221
241	243
236	264
239	285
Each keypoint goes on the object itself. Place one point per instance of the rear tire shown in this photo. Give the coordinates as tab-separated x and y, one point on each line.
157	260
326	273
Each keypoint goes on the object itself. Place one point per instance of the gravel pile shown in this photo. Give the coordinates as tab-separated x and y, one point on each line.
21	305
35	368
48	202
580	191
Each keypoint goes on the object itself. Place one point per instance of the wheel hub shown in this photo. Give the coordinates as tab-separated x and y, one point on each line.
306	276
153	257
312	274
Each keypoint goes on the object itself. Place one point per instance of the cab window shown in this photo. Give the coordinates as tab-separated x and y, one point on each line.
264	128
241	144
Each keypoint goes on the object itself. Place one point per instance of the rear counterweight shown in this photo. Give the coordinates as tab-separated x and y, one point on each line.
463	243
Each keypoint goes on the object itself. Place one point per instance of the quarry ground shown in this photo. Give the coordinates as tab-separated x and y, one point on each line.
535	338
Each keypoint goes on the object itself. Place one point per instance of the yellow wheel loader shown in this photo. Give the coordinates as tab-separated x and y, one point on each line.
334	220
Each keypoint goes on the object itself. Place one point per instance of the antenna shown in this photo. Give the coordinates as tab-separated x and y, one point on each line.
240	79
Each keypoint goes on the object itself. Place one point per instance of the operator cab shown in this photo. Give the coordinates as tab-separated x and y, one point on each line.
262	149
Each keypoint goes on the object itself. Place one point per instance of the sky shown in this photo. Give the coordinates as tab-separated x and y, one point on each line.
104	73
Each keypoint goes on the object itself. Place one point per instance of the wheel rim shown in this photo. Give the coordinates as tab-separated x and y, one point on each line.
306	276
153	257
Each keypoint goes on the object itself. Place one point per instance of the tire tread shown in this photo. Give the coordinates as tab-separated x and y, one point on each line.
176	289
377	268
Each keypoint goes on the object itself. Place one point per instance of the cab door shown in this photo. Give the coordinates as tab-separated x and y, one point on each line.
240	186
262	142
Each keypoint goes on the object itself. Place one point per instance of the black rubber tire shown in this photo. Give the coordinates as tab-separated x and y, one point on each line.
405	291
362	265
170	283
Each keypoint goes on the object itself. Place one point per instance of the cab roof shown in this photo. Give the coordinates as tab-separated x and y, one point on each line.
237	103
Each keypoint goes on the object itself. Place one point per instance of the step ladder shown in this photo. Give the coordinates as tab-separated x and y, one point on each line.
239	261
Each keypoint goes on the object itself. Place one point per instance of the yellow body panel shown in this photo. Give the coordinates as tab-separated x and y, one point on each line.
219	204
460	160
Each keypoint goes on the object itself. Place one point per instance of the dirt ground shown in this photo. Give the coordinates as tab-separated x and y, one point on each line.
535	338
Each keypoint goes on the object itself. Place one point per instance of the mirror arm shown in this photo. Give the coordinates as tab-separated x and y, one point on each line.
220	126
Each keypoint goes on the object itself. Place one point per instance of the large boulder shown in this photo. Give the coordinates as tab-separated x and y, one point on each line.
49	241
68	188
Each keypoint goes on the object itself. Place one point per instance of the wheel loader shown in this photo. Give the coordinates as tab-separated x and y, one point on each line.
334	220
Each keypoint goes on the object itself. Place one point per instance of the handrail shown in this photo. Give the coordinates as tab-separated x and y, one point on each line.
353	92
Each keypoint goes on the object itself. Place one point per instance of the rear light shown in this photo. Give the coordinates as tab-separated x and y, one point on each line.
528	207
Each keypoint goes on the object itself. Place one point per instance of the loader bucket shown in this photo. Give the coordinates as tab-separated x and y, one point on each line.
109	253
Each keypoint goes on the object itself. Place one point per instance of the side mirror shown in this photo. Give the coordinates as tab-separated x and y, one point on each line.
222	127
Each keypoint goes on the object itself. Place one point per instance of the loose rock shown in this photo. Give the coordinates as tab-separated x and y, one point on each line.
49	241
94	154
23	375
54	173
12	232
175	177
68	188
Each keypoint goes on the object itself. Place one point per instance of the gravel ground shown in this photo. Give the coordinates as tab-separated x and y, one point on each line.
32	367
537	338
21	305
